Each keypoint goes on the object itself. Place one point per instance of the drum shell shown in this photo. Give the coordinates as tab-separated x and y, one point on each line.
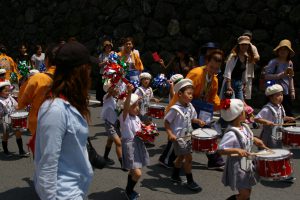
291	138
157	112
204	144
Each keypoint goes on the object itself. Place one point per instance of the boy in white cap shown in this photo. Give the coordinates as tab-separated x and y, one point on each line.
238	139
110	117
134	152
178	124
168	156
8	105
271	114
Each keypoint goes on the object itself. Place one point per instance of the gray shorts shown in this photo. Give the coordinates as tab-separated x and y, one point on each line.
182	146
112	130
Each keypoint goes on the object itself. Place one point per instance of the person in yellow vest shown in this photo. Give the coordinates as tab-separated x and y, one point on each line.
132	57
33	91
205	84
7	62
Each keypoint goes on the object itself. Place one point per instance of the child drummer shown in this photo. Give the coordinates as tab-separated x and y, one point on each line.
178	124
145	93
7	106
272	116
238	139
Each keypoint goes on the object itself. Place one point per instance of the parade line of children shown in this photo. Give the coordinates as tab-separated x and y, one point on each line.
239	174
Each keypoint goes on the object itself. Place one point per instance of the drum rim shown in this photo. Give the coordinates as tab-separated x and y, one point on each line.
210	137
204	138
156	106
265	178
19	117
285	129
275	158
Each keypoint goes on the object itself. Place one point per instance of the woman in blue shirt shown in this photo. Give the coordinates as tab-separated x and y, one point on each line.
62	167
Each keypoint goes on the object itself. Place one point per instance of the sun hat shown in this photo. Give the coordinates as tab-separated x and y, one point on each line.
176	78
273	89
182	83
243	39
231	109
285	43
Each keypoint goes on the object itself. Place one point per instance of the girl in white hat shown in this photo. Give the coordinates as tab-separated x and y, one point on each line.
8	105
280	70
134	152
145	92
109	115
238	139
178	124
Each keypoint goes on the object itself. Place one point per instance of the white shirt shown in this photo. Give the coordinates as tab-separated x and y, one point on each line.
266	113
108	111
38	60
129	126
144	92
180	124
230	139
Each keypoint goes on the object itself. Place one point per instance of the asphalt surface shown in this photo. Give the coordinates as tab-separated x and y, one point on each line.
109	183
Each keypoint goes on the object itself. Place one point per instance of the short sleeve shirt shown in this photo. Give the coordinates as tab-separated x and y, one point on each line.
129	126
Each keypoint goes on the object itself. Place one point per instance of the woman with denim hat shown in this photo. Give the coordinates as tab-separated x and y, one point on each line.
62	167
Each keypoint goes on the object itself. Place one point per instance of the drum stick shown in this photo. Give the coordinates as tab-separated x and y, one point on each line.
287	124
268	152
297	117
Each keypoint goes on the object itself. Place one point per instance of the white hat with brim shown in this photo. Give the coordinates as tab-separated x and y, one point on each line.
235	109
145	75
176	78
182	83
273	89
244	39
134	98
2	71
4	83
285	43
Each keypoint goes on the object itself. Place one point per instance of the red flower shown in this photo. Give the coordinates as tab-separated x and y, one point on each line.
225	104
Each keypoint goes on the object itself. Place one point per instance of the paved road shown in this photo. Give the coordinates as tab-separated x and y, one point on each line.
16	176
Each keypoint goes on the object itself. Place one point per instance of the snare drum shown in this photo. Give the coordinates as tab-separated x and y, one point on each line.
275	166
19	120
156	111
205	140
291	136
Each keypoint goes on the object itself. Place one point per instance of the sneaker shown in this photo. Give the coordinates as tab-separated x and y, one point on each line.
109	161
177	180
194	186
24	154
8	154
218	166
133	196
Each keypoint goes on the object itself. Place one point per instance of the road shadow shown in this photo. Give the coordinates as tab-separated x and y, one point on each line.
98	125
20	193
15	156
116	193
161	180
276	184
296	153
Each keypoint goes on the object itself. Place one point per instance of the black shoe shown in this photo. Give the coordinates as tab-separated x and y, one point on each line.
133	196
217	166
8	154
177	180
109	161
194	186
24	154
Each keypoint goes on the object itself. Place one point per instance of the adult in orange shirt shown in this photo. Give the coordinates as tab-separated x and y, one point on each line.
205	84
7	62
132	58
33	91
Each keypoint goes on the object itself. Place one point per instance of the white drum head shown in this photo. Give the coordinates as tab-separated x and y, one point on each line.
205	133
278	153
21	114
292	129
156	106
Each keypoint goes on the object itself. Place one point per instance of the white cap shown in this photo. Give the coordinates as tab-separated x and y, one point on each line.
2	71
134	98
236	107
273	89
4	83
145	75
106	85
33	72
182	83
176	77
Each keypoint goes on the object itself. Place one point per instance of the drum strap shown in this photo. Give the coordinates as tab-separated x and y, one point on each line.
186	116
239	136
277	115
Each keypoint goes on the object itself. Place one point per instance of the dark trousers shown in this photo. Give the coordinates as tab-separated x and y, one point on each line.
168	154
99	89
287	105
